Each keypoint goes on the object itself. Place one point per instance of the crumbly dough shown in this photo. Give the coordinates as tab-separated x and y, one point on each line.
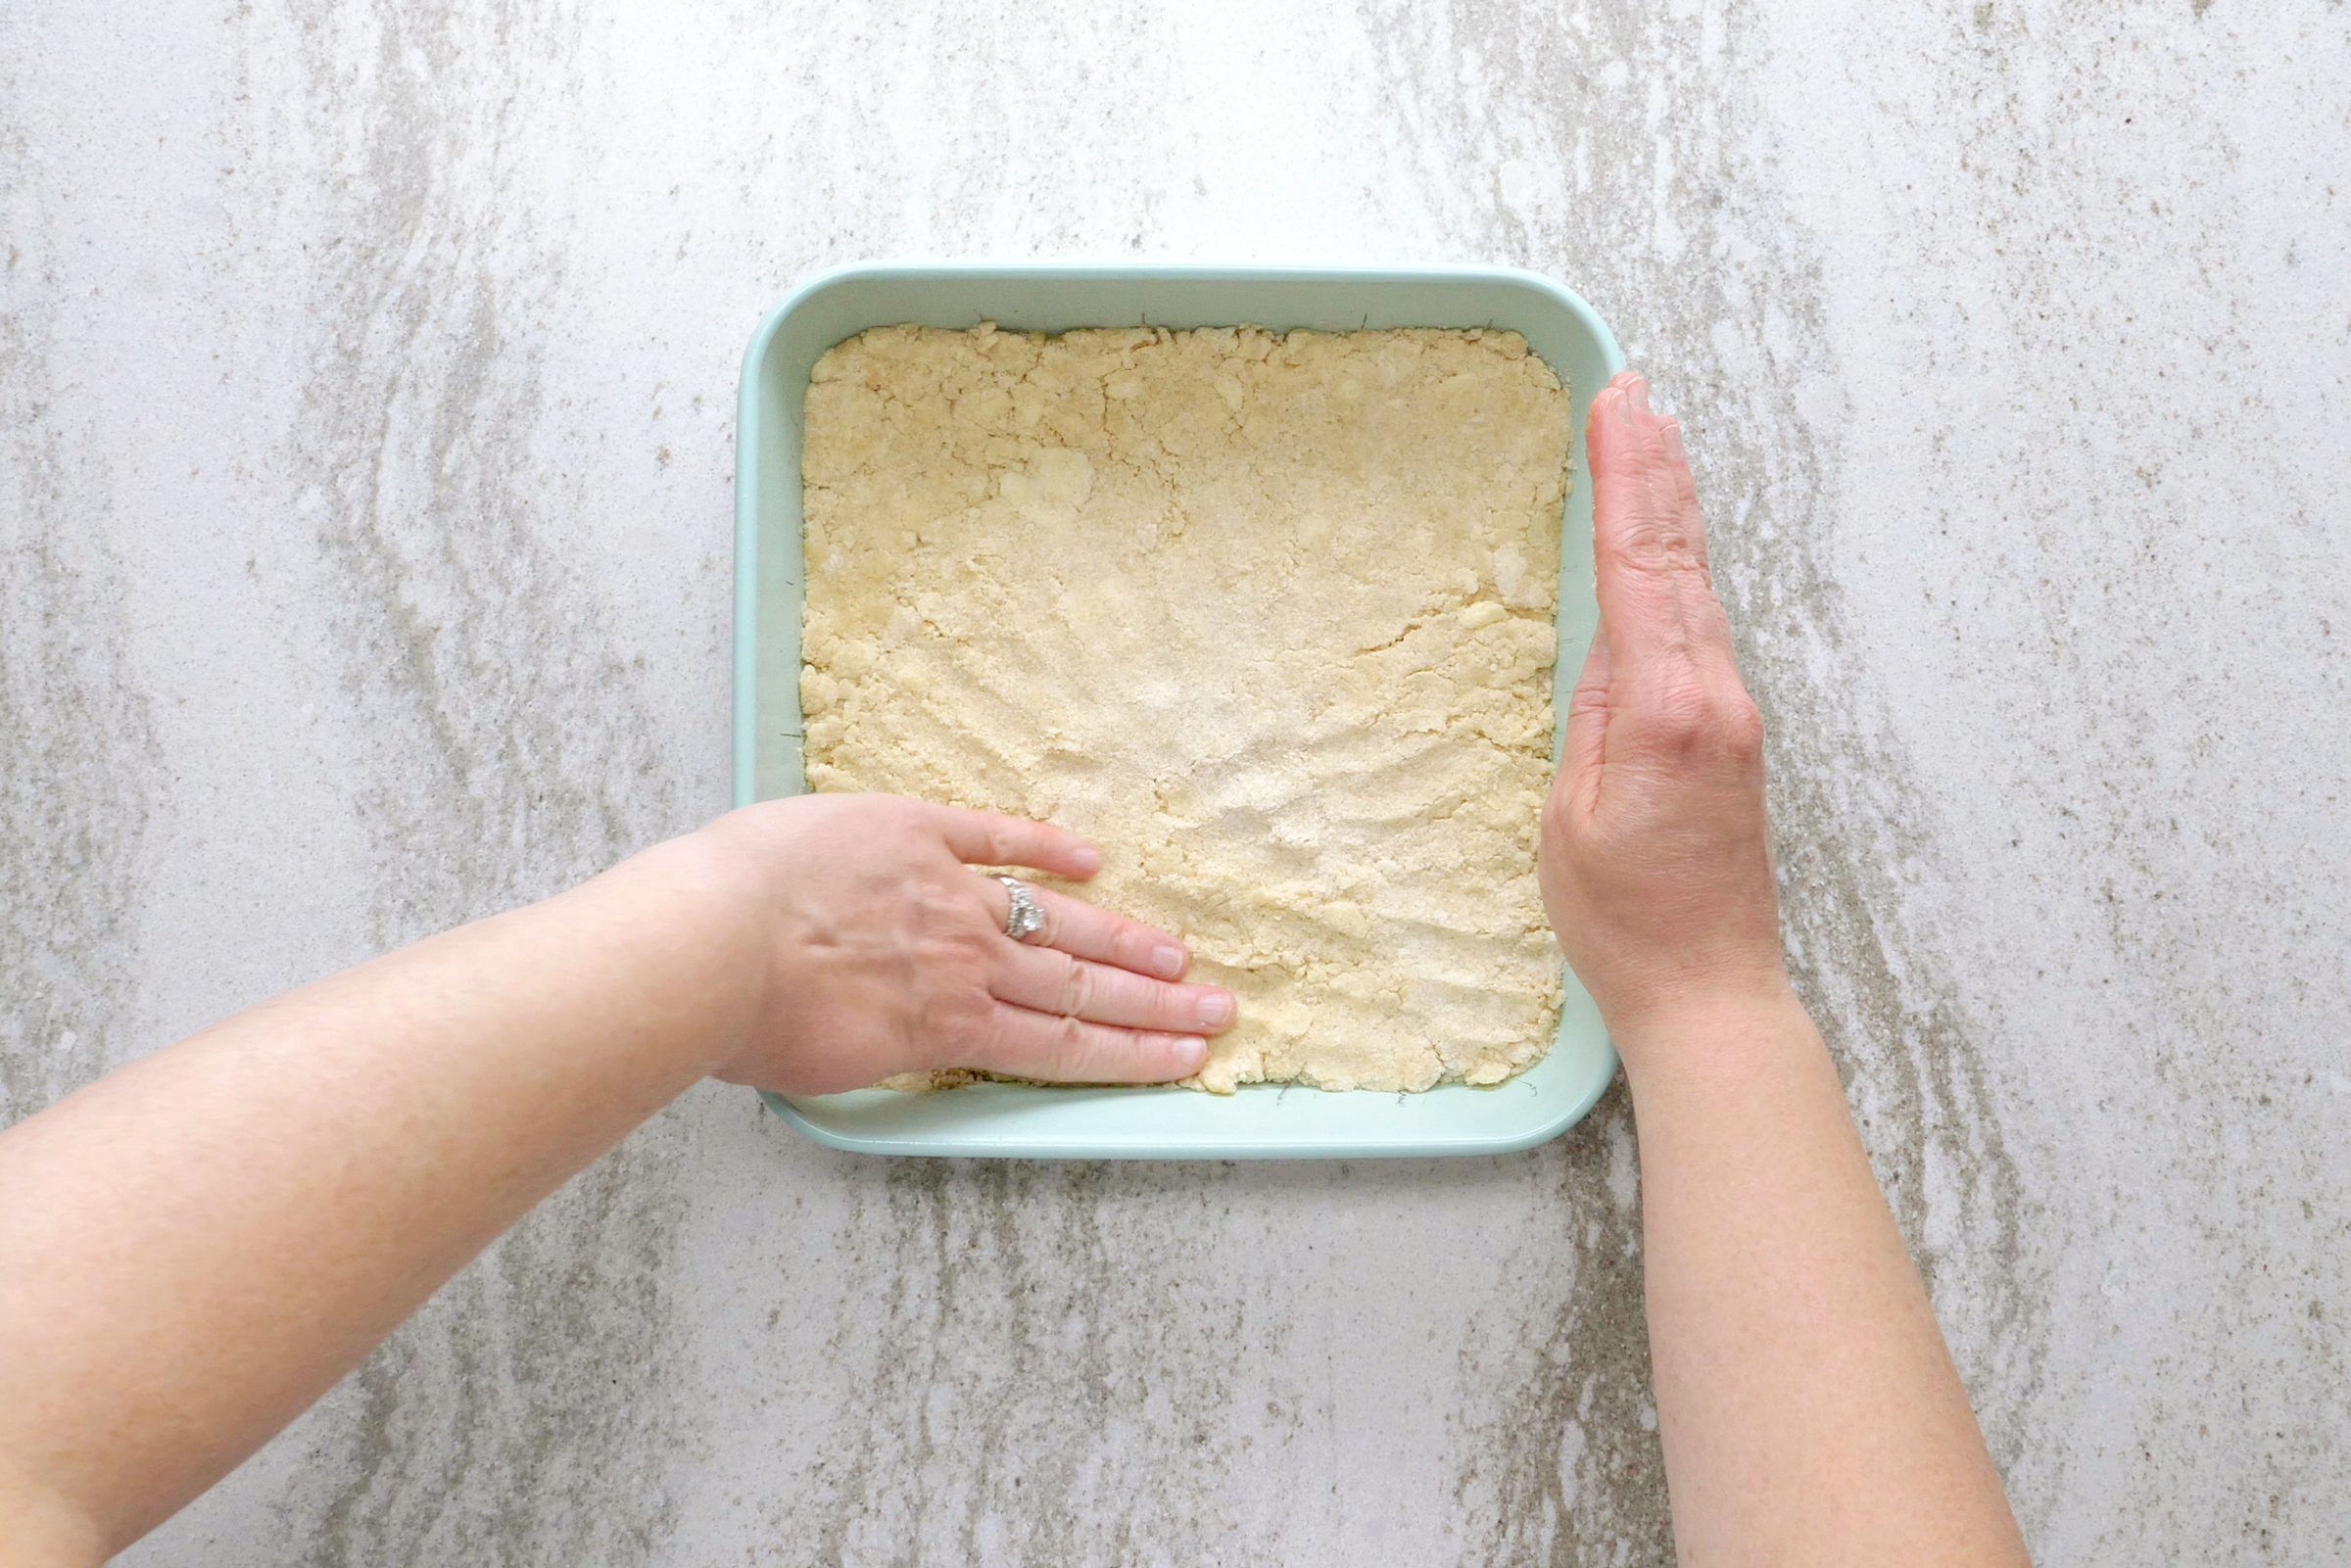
1267	615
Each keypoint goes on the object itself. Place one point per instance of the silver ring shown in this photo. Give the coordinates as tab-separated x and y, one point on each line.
1021	919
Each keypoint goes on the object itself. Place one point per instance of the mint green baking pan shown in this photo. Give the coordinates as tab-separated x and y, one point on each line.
1016	1120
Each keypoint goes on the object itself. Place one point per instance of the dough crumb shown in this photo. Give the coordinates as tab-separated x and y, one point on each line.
1265	615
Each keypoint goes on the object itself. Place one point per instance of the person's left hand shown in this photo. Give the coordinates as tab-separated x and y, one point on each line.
881	951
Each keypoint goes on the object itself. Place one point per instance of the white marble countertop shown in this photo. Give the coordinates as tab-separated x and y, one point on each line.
366	391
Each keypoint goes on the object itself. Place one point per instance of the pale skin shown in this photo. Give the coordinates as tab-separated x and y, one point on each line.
1809	1411
196	1247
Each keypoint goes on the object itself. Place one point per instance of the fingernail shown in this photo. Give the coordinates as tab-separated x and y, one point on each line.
1086	860
1166	959
1192	1051
1216	1009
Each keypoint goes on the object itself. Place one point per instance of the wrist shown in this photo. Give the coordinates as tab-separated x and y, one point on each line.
698	909
1714	1038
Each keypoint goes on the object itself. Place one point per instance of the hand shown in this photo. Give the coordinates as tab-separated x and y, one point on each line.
881	951
1656	858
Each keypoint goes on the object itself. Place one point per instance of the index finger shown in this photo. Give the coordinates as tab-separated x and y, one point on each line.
990	838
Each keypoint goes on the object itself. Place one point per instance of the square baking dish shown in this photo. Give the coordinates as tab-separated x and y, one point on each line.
1261	1121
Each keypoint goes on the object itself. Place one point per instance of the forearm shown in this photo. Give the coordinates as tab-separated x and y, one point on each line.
193	1249
1810	1411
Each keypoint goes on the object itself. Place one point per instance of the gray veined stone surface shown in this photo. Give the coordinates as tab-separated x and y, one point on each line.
366	377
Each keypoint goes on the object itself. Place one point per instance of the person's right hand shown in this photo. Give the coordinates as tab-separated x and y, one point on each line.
878	949
1656	861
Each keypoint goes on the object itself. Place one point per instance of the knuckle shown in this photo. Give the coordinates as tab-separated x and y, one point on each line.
941	906
1156	1004
988	1043
1698	721
1678	719
1655	548
1076	989
955	1022
1742	728
968	1009
1069	1056
949	935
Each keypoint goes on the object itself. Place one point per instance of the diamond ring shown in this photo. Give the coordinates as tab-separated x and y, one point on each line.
1022	918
